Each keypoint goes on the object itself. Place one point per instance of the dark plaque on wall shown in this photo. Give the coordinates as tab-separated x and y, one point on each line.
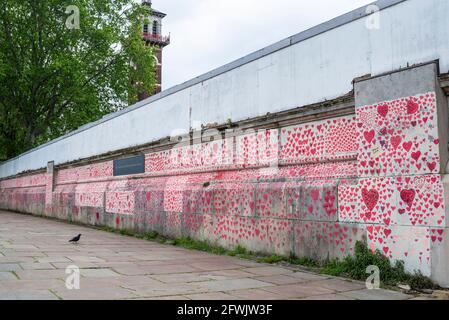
132	165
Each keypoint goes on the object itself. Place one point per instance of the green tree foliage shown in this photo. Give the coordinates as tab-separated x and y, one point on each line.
55	78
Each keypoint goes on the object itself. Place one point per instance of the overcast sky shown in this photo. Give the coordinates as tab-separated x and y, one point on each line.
206	34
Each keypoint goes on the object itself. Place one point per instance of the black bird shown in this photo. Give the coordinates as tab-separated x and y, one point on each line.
76	239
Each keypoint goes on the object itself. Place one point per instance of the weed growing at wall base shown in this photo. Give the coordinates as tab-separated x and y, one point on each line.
390	274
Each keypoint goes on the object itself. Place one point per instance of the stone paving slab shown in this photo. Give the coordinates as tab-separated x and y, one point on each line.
232	284
14	285
10	267
268	271
98	273
34	253
257	294
27	295
332	296
281	279
37	266
339	285
96	293
186	277
299	291
6	275
211	296
366	294
163	289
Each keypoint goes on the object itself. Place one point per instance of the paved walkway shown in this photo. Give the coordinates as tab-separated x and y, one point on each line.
34	254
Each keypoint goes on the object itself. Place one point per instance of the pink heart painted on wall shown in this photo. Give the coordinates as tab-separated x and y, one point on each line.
369	135
431	166
395	142
370	197
416	155
407	146
412	107
315	194
383	110
408	196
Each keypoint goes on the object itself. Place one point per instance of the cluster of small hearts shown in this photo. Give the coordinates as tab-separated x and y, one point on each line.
399	137
25	181
89	172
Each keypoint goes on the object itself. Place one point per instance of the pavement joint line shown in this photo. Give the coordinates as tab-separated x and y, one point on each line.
310	295
126	288
53	292
174	295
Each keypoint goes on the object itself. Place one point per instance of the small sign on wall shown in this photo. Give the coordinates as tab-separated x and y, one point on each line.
127	166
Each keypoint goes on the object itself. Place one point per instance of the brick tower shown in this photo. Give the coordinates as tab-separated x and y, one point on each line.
152	34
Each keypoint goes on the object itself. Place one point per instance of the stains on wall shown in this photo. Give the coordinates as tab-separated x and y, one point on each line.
333	139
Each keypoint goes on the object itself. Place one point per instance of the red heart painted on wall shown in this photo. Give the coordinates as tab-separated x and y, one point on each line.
407	146
431	166
412	107
315	194
369	135
383	110
395	142
416	155
370	197
251	205
408	196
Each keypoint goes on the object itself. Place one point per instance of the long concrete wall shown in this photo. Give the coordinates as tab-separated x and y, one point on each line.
313	66
312	181
312	188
